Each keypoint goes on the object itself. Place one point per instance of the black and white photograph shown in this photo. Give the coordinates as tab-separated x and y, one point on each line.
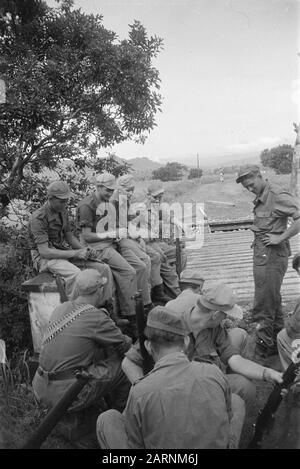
149	228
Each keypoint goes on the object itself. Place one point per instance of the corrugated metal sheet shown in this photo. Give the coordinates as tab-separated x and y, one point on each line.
227	257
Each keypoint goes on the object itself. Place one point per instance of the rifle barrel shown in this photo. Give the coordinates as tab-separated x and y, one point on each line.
55	414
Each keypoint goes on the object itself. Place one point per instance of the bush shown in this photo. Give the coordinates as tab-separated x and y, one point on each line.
195	173
14	270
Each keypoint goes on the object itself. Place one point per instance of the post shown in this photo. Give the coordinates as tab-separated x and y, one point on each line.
294	183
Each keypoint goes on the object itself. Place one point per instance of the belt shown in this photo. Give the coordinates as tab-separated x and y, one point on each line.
58	375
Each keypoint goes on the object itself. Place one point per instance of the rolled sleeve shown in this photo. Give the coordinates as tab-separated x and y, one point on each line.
224	346
86	216
39	230
285	205
134	354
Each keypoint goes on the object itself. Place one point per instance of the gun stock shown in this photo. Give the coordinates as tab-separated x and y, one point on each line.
61	289
148	362
56	413
266	416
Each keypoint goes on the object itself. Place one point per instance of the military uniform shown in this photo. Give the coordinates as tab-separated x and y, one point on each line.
198	392
88	215
271	211
48	226
79	336
132	249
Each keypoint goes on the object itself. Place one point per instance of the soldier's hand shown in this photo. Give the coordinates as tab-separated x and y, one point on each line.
272	376
92	253
271	239
82	253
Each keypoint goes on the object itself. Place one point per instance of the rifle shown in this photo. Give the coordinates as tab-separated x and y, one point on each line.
148	362
61	288
266	416
178	257
57	411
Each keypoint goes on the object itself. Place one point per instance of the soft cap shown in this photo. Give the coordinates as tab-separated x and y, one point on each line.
221	297
88	281
165	319
59	189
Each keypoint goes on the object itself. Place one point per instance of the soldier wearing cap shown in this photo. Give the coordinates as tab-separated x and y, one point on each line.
211	341
179	404
191	282
81	335
273	206
96	220
163	246
54	246
132	249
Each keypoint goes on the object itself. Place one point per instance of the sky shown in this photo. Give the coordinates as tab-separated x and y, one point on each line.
229	70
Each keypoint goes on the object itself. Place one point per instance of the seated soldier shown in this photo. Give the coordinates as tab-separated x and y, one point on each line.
132	249
179	404
191	282
291	330
94	215
81	335
134	243
213	342
51	238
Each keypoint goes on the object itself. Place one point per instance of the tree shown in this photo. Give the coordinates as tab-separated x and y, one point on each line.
279	158
169	172
71	87
195	173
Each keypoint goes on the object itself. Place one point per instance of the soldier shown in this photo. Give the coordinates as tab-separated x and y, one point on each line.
165	246
291	330
54	246
179	404
96	220
212	342
273	206
81	335
191	282
132	249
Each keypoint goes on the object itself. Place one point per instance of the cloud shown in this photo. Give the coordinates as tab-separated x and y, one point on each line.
256	145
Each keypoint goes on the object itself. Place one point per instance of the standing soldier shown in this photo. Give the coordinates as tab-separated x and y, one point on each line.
272	207
54	246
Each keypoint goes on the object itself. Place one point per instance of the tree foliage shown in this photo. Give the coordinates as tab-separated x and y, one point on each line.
195	173
279	158
169	172
71	86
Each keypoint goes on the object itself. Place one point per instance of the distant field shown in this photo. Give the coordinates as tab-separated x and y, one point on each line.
209	189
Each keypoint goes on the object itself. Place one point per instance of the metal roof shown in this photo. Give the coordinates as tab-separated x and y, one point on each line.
227	256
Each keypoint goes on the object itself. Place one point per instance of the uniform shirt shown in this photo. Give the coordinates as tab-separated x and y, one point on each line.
272	209
179	404
214	344
89	213
292	323
47	226
80	343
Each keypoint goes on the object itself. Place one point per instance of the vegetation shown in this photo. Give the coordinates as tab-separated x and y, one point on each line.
195	173
169	172
278	158
71	88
